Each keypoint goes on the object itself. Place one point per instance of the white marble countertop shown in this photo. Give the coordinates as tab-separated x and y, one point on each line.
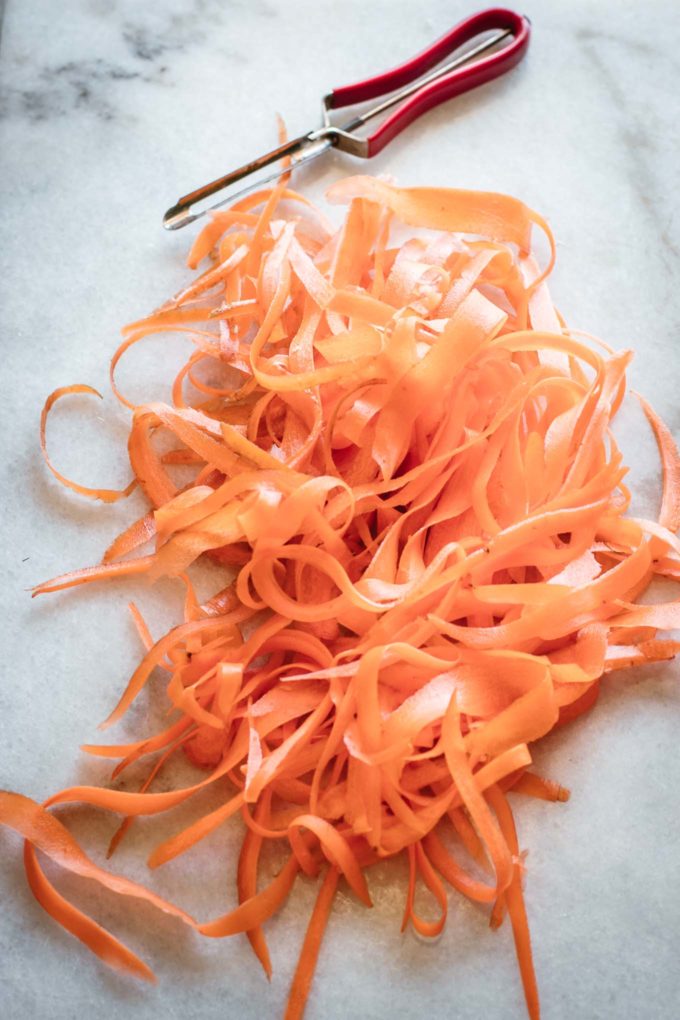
112	108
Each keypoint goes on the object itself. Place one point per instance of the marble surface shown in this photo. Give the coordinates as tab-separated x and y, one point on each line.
110	109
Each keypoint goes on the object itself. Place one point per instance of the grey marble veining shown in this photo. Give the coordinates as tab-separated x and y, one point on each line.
110	109
142	43
640	142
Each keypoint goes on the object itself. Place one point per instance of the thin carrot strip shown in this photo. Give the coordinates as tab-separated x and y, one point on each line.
430	929
258	908
184	840
309	954
535	786
105	495
669	513
96	938
515	903
141	625
127	822
247	879
88	574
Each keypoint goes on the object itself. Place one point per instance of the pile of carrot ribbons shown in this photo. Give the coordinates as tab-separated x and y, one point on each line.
402	459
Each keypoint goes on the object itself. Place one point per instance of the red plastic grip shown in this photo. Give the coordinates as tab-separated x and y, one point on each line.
453	84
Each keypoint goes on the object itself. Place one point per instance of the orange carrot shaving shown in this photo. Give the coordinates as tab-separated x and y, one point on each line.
310	948
401	460
106	495
669	514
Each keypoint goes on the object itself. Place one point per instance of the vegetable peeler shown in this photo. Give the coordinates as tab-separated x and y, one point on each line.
413	87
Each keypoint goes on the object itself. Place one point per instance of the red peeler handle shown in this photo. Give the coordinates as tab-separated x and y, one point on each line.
449	85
